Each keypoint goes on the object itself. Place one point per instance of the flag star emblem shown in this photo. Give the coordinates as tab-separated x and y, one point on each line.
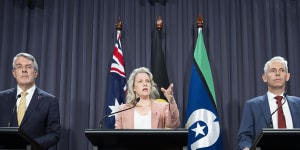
198	130
114	108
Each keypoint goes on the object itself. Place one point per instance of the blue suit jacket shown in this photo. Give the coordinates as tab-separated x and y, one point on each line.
41	120
257	115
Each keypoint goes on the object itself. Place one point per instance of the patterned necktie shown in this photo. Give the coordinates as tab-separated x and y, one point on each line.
281	119
22	107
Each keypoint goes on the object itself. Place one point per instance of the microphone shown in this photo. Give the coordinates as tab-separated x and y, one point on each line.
111	114
280	107
13	111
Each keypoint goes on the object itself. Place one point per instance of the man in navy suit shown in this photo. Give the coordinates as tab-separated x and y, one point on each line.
257	111
41	120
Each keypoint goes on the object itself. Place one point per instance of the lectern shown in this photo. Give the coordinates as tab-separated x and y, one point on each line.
12	138
286	139
134	139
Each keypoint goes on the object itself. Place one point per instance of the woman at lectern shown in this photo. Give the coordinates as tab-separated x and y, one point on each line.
142	110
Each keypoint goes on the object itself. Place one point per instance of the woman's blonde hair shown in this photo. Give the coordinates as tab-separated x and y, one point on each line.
131	97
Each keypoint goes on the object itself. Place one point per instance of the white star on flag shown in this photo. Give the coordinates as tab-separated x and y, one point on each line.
114	108
198	130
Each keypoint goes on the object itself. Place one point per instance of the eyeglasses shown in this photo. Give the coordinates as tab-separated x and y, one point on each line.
21	67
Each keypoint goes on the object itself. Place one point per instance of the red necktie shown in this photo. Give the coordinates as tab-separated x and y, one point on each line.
281	119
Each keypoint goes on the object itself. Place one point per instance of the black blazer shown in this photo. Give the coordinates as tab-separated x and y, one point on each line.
41	120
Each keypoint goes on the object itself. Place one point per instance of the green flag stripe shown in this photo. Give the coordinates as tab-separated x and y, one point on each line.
201	59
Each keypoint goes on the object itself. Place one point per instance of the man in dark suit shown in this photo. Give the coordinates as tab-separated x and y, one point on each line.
258	112
40	119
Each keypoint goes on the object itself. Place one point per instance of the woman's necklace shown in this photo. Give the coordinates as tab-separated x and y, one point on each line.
144	105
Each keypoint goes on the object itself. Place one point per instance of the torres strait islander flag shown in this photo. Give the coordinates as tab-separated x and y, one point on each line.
116	84
202	117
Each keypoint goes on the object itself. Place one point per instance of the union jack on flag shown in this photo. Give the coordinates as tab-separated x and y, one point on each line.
116	84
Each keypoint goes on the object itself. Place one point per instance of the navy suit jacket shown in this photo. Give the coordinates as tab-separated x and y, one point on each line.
257	115
41	121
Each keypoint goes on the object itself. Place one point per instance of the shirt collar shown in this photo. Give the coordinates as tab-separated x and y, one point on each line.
29	91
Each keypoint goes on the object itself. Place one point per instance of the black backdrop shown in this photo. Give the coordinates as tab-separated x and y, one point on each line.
73	43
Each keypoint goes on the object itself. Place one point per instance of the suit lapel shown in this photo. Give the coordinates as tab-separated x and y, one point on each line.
263	105
13	105
295	113
155	114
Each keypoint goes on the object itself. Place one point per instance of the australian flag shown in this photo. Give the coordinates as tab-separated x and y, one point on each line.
202	118
116	84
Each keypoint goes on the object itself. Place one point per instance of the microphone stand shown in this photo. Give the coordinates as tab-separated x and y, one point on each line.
280	107
109	115
13	112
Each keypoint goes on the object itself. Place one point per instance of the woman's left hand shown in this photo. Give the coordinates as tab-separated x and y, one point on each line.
168	93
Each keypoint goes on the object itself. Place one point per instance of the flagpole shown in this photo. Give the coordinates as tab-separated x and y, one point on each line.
159	23
200	22
119	24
